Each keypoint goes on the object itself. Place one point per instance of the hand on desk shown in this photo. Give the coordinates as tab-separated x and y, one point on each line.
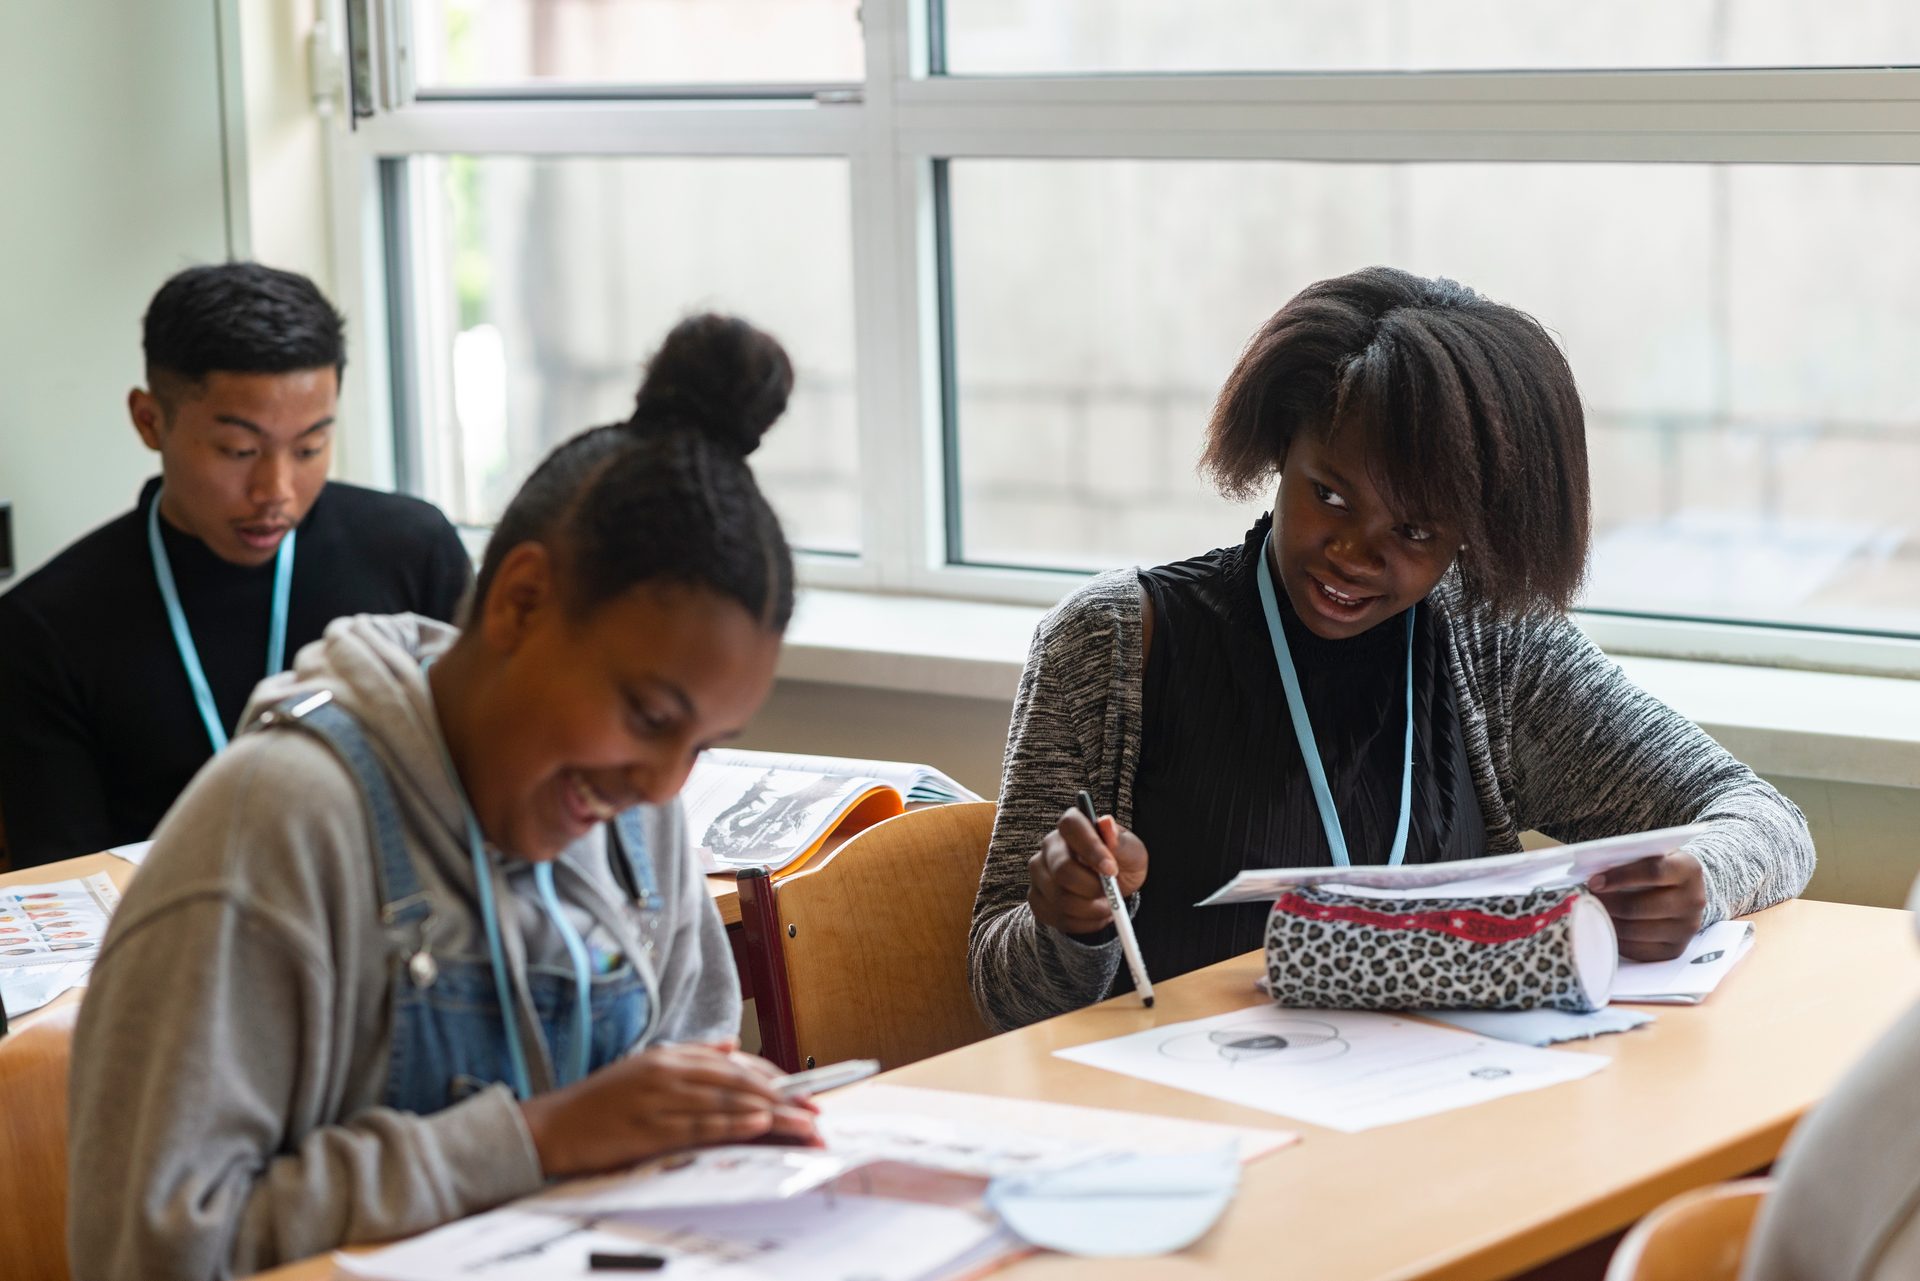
1063	879
1657	904
661	1100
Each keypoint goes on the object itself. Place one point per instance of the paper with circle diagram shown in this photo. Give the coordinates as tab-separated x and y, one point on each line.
1343	1069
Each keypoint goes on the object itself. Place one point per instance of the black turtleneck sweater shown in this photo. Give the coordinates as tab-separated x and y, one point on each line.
1222	785
98	728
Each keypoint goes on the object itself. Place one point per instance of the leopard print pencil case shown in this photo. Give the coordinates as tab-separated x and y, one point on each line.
1552	948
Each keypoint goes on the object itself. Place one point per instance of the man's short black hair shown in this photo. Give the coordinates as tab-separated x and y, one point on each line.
239	317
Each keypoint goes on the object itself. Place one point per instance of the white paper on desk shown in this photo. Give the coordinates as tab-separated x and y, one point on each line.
992	1137
1688	978
710	1176
970	1135
1347	1070
28	987
1498	873
1541	1027
57	921
817	1237
135	853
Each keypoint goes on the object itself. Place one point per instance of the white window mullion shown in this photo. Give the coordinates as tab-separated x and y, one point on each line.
899	455
640	128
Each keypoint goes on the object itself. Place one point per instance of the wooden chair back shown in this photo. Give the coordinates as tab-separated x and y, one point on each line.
33	1147
869	946
1697	1236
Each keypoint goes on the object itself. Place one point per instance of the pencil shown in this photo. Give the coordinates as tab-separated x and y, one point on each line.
1122	923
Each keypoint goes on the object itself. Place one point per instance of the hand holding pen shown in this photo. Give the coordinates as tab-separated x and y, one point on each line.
1066	878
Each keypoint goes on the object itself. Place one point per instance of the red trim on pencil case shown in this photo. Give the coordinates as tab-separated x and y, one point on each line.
1461	923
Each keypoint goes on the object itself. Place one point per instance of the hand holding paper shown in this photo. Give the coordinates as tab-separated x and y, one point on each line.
1656	904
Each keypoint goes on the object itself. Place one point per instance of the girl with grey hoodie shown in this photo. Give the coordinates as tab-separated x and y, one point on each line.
429	932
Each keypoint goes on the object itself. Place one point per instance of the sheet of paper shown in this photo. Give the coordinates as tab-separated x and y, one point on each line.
1691	976
28	987
710	1176
940	1131
1343	1069
817	1237
1541	1027
59	921
135	853
1559	864
992	1137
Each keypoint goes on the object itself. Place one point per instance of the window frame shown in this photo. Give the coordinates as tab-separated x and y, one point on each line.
895	128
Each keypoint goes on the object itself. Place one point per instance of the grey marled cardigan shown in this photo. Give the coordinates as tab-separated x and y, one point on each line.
1559	740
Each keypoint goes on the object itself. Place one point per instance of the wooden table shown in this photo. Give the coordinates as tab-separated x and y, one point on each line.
1705	1093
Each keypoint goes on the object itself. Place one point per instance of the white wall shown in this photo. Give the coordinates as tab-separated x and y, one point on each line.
112	160
113	165
286	171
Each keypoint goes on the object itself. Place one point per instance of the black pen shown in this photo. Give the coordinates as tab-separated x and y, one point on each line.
602	1261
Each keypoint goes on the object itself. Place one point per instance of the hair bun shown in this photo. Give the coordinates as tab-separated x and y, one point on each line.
719	375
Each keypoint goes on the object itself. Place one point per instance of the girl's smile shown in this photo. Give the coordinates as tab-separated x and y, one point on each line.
1349	563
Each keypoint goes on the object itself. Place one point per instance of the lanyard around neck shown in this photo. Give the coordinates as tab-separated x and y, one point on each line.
576	1067
1303	727
183	638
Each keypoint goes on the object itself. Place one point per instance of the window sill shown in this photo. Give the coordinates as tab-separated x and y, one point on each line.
1816	725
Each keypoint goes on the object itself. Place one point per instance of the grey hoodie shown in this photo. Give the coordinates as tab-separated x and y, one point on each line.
232	1050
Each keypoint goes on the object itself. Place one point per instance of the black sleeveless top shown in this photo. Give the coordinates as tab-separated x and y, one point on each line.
1221	784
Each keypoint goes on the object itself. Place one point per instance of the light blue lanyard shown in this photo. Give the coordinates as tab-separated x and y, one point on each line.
183	639
576	1067
1303	727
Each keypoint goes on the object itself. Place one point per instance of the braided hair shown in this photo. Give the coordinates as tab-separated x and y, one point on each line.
667	496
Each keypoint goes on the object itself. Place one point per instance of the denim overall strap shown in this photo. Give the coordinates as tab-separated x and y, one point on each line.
631	833
402	900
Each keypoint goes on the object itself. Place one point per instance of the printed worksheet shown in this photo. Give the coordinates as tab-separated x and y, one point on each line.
1462	878
939	1132
57	922
991	1137
816	1237
1690	977
1347	1070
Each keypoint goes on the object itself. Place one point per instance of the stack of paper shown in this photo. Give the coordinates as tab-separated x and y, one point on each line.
1495	874
1691	976
896	1195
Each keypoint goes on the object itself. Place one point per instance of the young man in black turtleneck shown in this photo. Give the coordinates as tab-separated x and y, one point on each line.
128	658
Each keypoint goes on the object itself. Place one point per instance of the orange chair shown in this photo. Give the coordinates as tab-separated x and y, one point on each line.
863	953
33	1147
1697	1236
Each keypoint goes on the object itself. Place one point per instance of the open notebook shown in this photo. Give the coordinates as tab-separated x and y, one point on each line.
776	810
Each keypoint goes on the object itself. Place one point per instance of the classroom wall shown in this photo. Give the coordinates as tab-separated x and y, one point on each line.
114	157
1865	836
129	180
286	173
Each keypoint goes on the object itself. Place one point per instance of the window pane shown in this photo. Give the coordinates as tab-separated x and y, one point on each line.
461	44
544	284
1010	37
1744	337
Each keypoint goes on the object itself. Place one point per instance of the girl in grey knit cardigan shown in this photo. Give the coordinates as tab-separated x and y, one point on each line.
1429	532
